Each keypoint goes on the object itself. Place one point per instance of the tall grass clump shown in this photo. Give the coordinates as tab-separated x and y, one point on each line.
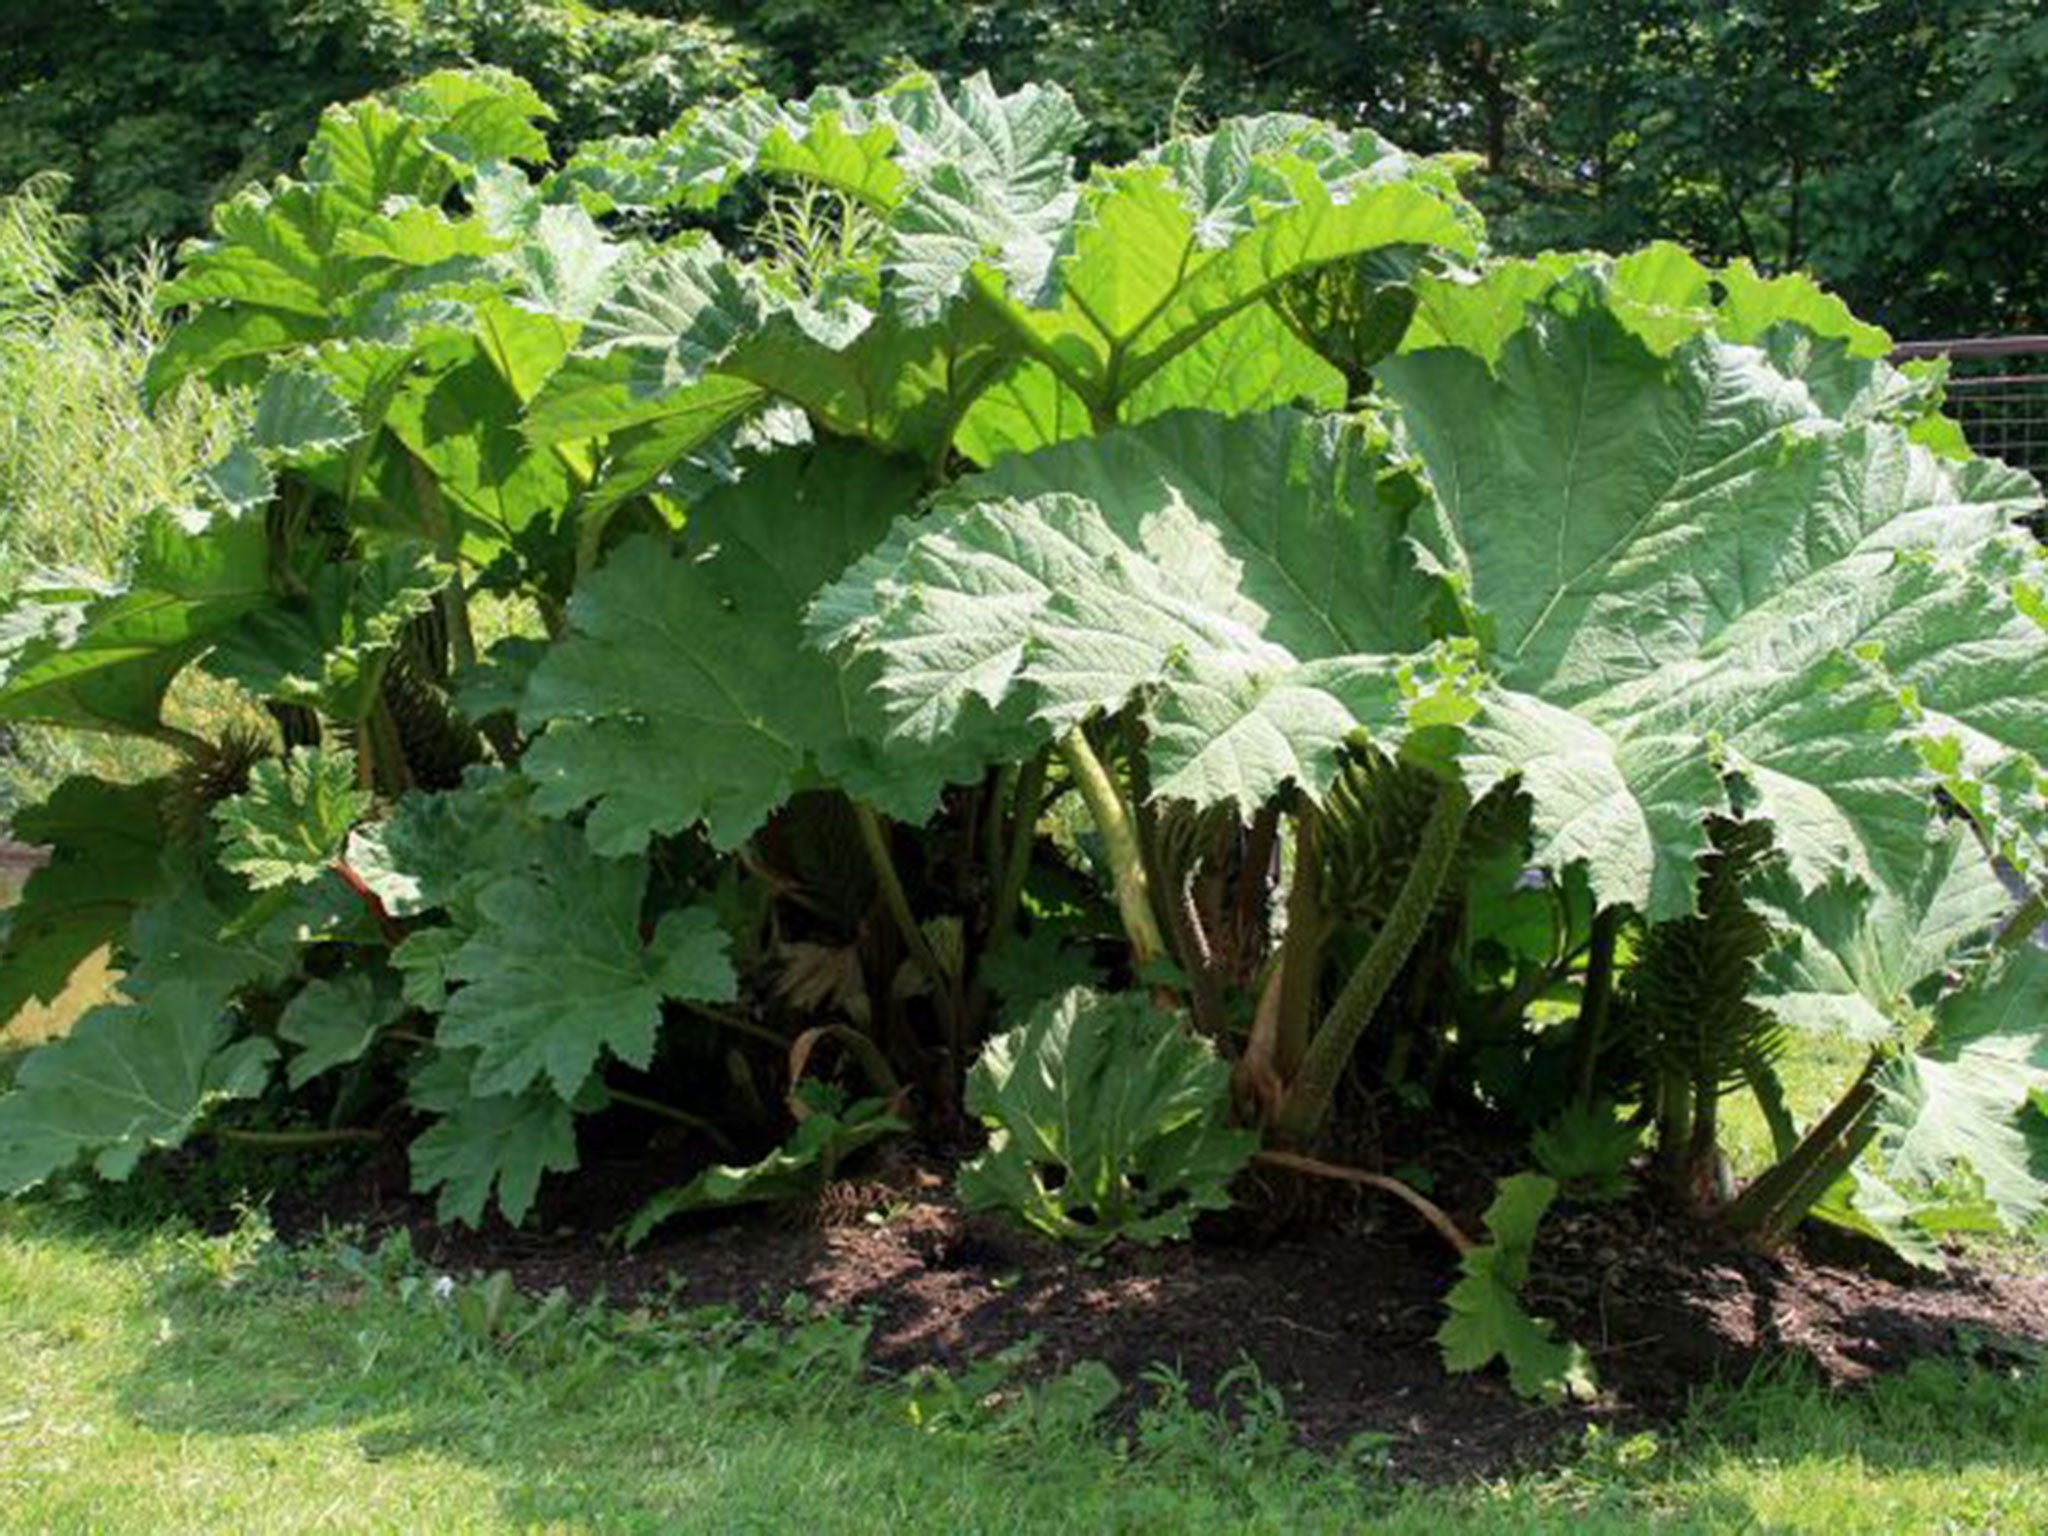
81	455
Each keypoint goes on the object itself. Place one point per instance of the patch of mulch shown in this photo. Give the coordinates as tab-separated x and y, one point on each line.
1340	1312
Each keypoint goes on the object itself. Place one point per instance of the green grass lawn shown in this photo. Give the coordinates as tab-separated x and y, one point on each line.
153	1381
156	1381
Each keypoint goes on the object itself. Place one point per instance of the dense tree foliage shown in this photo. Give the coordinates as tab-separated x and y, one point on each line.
1878	142
1871	141
156	109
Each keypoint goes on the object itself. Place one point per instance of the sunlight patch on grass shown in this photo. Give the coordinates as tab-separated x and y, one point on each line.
1815	1071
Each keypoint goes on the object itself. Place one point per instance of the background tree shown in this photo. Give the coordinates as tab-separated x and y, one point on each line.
1881	143
1877	143
157	109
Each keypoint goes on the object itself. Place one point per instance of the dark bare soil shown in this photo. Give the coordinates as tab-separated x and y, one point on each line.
1339	1312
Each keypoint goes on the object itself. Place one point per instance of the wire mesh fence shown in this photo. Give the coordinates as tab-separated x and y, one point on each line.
1998	390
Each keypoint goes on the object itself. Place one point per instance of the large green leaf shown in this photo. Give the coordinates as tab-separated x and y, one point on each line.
329	646
144	1073
292	823
691	338
658	334
272	250
102	659
562	263
685	694
370	152
543	964
1857	963
277	276
1015	150
1249	580
462	424
1662	294
335	253
1162	253
642	381
477	117
1980	706
335	1020
1251	362
1683	569
557	972
106	845
1957	1061
125	1079
1971	1097
991	187
1106	1120
481	1144
901	386
440	850
300	417
1141	292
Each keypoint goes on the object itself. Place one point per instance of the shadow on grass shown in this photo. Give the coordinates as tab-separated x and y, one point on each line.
580	1420
341	1369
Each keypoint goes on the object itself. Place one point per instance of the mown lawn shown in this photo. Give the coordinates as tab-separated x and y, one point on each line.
155	1381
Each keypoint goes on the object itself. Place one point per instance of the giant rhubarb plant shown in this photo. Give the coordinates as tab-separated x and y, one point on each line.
968	577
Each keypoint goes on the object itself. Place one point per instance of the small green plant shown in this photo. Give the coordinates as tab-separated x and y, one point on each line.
1588	1150
1487	1320
989	1399
829	1131
493	1314
1106	1121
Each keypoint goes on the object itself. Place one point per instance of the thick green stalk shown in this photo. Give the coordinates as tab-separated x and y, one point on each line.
1254	883
1198	959
1301	948
1675	1102
384	749
296	1141
945	985
875	838
1010	866
426	490
1702	1153
454	598
1596	1002
1120	845
991	820
1026	805
461	634
2021	925
1314	1087
1777	1200
1769	1093
668	1112
1858	1129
